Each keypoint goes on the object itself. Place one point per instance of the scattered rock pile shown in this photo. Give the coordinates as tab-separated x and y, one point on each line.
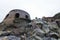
22	28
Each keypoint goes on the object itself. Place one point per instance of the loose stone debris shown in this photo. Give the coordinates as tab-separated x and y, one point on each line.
18	25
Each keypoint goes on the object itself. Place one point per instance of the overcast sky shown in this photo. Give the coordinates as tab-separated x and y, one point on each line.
36	8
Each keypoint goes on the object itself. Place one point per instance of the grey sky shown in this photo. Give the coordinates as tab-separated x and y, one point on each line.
36	8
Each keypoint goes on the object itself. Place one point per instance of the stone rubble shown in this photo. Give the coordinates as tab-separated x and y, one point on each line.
22	29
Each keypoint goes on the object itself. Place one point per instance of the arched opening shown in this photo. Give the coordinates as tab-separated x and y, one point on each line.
17	15
26	16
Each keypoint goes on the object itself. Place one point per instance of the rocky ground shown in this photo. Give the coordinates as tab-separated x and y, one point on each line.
32	31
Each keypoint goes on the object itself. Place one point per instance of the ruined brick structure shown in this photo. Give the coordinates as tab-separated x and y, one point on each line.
17	25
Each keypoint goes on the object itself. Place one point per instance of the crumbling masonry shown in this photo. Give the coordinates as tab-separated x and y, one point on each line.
17	25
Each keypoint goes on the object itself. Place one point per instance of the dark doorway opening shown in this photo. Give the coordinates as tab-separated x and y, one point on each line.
26	16
17	15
